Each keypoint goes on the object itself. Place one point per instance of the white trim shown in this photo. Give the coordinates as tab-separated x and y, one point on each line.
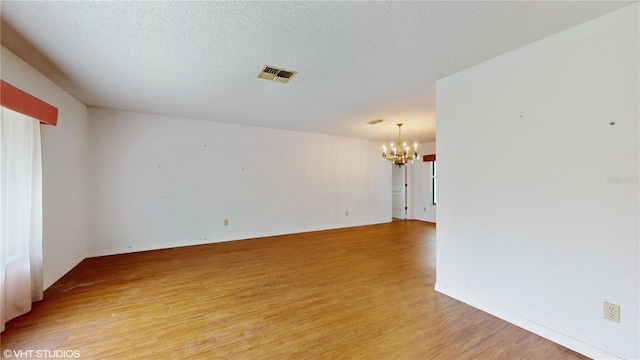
528	325
50	280
133	249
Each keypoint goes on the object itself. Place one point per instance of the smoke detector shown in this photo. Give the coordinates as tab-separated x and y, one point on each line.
276	74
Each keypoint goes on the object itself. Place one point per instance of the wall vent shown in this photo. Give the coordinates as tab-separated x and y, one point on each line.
376	121
276	74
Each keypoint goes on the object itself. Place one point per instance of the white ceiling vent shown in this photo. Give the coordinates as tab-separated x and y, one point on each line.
276	74
376	121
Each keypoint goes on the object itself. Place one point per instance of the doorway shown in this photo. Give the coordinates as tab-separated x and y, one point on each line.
399	192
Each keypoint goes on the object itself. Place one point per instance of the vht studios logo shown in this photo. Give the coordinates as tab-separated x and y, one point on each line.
623	180
40	354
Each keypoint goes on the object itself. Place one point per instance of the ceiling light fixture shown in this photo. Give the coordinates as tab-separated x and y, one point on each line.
399	155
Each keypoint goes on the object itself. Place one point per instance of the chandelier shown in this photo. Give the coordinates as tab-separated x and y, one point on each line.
399	155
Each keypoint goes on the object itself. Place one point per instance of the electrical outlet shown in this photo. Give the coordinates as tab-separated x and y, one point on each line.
612	312
346	213
226	222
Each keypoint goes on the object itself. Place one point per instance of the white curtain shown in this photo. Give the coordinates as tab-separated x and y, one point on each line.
20	214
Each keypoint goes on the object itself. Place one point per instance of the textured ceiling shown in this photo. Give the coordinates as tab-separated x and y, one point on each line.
356	61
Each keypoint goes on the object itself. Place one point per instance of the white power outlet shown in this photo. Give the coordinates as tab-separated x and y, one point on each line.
612	312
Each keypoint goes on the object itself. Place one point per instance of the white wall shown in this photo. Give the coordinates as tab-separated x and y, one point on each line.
64	149
160	181
538	194
422	202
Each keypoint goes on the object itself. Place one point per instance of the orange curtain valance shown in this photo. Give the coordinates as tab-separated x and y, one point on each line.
17	100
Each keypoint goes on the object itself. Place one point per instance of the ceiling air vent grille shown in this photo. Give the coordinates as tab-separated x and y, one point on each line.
276	74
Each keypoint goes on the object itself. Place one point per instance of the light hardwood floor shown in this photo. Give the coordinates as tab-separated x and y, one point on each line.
356	293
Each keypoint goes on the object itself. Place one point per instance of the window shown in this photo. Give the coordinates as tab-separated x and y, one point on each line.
20	213
21	191
433	182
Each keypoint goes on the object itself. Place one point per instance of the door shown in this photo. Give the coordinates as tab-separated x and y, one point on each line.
399	192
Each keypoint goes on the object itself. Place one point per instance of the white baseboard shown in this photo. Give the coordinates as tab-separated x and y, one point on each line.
528	325
51	279
160	246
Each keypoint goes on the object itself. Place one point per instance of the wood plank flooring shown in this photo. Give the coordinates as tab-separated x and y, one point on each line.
356	293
